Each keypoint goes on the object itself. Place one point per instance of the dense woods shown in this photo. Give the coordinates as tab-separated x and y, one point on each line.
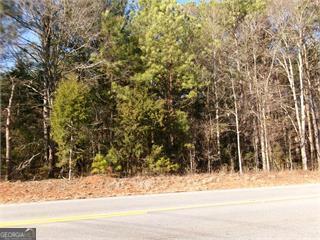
158	87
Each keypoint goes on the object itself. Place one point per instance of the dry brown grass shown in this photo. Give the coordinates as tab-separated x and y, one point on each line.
103	186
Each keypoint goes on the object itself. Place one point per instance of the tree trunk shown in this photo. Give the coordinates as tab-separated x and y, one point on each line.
217	123
70	164
216	103
266	142
299	110
49	145
70	158
303	116
192	159
310	136
255	144
310	98
170	103
49	81
314	118
316	133
209	150
237	126
8	134
290	154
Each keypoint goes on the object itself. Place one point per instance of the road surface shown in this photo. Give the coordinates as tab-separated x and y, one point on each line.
291	212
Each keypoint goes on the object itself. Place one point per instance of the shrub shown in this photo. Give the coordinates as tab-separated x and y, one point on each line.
159	164
99	164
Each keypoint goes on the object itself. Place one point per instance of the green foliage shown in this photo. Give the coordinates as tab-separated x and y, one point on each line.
233	12
113	160
70	115
99	164
151	105
159	164
138	117
118	51
165	32
160	98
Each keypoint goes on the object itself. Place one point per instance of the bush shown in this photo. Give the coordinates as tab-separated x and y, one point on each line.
113	160
99	164
159	164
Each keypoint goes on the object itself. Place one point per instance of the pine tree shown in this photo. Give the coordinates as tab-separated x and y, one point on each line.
70	114
164	32
139	117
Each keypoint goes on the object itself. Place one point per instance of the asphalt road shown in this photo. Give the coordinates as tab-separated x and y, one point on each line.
284	213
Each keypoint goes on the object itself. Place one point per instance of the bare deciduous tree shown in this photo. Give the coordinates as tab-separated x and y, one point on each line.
56	36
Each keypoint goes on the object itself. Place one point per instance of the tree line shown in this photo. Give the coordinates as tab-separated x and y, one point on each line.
156	87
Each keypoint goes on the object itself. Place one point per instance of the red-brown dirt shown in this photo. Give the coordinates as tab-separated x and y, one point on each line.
104	186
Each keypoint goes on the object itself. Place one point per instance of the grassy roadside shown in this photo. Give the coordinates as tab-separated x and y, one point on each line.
104	186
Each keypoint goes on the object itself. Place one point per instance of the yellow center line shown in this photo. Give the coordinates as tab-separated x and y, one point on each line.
28	222
233	203
71	218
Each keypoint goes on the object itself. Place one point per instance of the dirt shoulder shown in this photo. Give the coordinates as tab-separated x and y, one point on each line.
103	186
